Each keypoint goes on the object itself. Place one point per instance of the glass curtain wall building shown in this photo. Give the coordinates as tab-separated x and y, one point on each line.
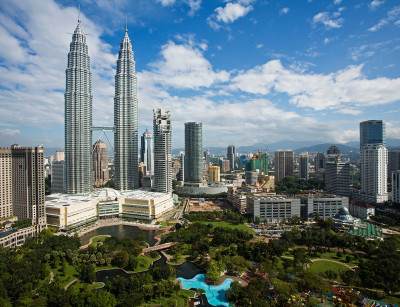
193	152
126	119
162	151
78	117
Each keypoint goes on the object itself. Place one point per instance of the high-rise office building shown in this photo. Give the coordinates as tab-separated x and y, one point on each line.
78	116
6	192
337	177
396	186
332	153
193	152
100	164
372	132
319	161
60	156
283	164
374	173
231	156
303	166
393	162
374	161
181	173
58	177
146	152
162	151
126	174
224	164
214	174
28	183
207	158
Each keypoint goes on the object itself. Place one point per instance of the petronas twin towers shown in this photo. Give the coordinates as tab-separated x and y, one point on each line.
78	118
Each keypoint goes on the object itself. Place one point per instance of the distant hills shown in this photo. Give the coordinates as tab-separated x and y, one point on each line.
349	148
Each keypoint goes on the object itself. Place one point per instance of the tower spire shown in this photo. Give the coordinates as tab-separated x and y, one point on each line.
79	13
126	23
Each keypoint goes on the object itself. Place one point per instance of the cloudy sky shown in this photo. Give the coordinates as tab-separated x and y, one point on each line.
249	70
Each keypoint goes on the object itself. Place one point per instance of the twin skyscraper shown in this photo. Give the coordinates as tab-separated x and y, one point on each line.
78	118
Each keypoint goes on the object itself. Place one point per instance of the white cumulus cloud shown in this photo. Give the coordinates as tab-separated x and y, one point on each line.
329	20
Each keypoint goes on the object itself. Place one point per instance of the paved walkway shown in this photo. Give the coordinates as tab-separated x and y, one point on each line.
70	283
51	277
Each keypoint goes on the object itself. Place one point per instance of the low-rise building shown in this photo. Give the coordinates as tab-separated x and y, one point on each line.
325	205
361	209
273	208
16	237
67	212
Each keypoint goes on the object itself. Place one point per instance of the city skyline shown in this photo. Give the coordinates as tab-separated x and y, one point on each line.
321	66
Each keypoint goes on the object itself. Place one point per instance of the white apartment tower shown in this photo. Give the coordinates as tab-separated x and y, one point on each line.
146	152
126	119
6	203
78	116
374	173
162	151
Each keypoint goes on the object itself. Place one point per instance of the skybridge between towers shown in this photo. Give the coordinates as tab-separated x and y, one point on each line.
103	130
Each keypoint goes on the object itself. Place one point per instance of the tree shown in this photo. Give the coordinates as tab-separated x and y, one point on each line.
87	272
213	271
101	299
121	259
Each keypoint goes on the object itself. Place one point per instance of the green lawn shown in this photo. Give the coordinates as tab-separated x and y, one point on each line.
144	264
69	274
98	239
333	256
230	225
167	223
322	266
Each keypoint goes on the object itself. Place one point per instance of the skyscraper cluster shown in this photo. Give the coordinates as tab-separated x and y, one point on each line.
78	120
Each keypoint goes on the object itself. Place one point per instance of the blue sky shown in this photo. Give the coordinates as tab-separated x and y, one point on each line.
249	70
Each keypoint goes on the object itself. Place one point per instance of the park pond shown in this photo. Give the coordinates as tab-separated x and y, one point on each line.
191	275
121	231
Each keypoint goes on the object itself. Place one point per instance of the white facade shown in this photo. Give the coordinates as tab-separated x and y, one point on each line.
325	205
78	116
126	119
396	187
273	208
374	173
146	152
362	210
70	211
162	151
6	204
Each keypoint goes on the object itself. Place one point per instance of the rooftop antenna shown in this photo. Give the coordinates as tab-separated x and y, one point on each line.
79	13
126	23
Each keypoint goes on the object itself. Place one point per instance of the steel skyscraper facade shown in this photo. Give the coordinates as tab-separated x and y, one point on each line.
126	119
162	151
231	156
193	152
78	116
146	152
